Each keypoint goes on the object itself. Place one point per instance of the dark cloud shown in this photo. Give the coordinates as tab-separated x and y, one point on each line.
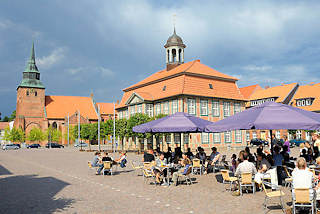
105	46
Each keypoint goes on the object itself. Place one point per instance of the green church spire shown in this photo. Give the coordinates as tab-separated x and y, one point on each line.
31	76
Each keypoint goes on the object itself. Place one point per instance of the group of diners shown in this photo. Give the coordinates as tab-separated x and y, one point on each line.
99	159
177	163
274	164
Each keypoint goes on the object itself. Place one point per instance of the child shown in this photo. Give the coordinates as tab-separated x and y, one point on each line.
234	162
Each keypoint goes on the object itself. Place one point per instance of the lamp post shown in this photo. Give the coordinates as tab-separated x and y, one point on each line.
114	126
99	118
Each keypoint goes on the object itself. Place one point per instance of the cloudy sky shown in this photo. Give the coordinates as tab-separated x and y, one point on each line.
104	46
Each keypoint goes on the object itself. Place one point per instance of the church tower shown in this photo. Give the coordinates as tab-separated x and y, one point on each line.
30	110
174	51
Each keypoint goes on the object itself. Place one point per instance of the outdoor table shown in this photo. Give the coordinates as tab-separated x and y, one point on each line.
170	168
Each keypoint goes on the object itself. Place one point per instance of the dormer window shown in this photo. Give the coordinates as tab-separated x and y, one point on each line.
164	88
210	86
304	102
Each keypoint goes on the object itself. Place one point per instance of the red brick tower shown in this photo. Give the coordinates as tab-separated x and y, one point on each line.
30	110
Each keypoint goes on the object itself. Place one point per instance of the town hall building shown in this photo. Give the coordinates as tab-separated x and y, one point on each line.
190	87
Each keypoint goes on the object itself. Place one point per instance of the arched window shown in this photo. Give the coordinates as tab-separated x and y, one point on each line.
27	93
35	93
168	55
174	55
180	55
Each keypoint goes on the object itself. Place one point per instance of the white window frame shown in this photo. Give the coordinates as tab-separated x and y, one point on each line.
254	135
166	107
149	109
174	106
215	108
237	108
192	106
308	102
298	134
227	137
238	136
226	109
120	114
186	138
205	138
177	138
168	138
203	107
303	102
127	114
139	108
132	110
247	136
216	138
158	108
278	136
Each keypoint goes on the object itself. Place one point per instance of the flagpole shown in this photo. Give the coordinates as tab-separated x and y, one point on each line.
114	126
68	131
99	127
79	129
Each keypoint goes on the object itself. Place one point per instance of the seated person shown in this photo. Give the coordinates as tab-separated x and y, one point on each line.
158	169
148	156
245	167
213	159
302	177
261	160
96	162
250	156
201	155
186	163
123	159
189	154
261	174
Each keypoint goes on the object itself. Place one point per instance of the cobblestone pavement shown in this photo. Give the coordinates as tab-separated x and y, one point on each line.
59	181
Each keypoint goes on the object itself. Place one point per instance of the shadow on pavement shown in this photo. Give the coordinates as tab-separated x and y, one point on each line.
32	194
4	171
219	178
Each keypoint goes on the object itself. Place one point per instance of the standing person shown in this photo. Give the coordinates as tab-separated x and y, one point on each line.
148	156
278	161
316	141
275	141
286	143
234	162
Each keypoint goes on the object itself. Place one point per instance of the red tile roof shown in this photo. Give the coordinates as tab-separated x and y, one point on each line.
58	107
192	67
106	108
308	91
249	90
192	78
281	91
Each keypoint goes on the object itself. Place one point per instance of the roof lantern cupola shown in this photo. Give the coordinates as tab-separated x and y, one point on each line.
31	75
174	50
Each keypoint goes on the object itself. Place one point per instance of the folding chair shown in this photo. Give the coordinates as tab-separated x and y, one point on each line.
272	194
246	181
301	198
227	179
196	166
288	180
107	167
148	172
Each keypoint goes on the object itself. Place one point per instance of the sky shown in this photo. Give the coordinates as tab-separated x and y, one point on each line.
105	46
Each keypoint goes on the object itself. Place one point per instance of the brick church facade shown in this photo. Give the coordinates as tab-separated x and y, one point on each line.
36	109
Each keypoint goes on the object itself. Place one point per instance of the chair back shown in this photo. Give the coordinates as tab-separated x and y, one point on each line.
302	195
223	159
225	174
89	164
107	165
147	173
147	165
246	178
196	163
287	171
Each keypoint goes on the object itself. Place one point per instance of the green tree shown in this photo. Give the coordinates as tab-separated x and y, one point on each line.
17	135
121	129
53	135
72	134
135	120
36	135
6	119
